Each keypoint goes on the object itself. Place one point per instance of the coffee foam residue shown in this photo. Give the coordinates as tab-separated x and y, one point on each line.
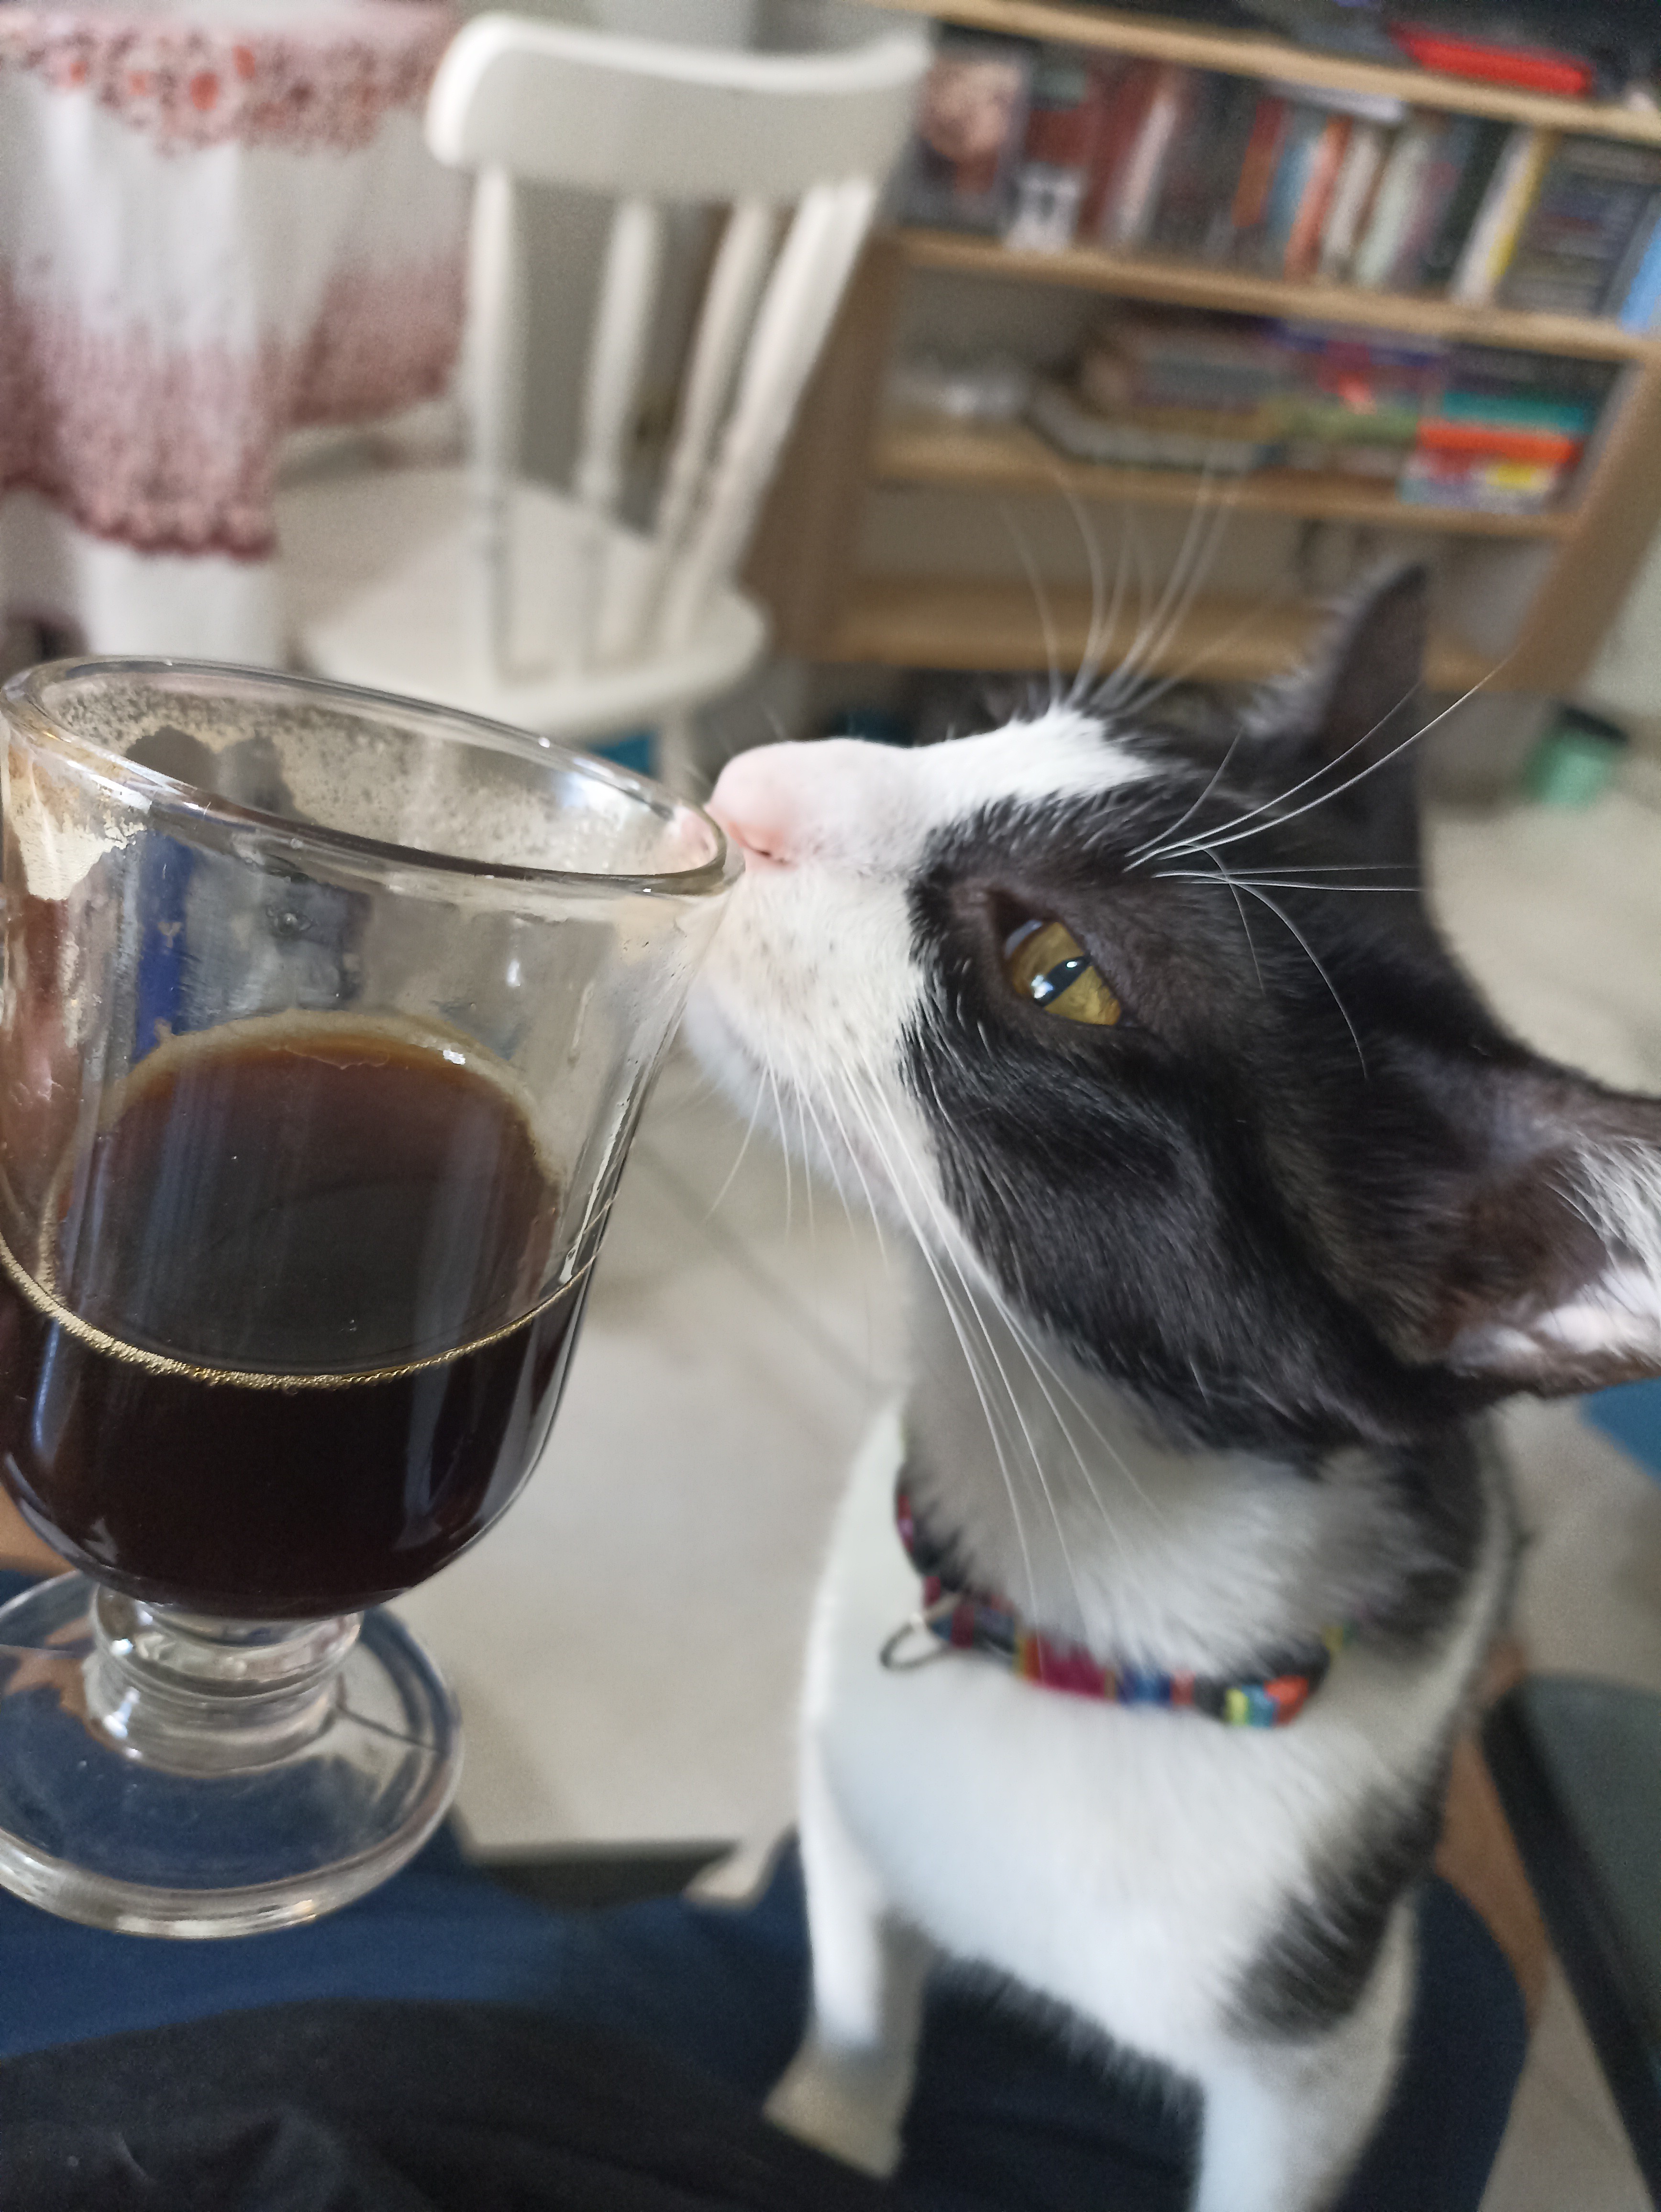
62	827
407	787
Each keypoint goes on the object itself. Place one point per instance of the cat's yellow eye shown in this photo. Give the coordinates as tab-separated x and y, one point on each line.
1047	964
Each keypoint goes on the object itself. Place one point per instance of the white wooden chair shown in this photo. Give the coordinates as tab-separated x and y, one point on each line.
475	587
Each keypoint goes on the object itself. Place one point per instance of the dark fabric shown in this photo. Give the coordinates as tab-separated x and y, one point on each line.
392	2108
1008	2114
1578	1766
1006	2117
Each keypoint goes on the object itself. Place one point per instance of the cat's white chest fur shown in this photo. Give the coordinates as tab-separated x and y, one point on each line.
1127	1863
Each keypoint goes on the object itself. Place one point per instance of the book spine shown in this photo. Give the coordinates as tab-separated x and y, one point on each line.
1451	148
1303	131
1261	159
1392	211
1304	240
1619	288
1352	199
1126	217
1496	441
1499	221
1485	153
1124	111
1639	308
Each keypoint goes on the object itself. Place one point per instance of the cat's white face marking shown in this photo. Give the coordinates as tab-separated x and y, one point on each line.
807	995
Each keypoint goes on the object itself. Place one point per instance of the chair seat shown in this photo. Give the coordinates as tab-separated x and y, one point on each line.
378	573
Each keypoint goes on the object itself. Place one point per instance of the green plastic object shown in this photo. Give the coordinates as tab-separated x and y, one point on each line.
1575	763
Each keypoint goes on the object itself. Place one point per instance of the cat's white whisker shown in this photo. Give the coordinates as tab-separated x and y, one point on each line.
1264	899
743	1146
972	1364
1194	805
1256	970
771	1071
949	1248
1206	528
1035	583
1276	882
1092	554
1187	670
1325	798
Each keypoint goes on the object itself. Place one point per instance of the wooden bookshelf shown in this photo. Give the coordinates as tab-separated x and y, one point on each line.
1008	457
912	621
1260	54
1577	562
1238	291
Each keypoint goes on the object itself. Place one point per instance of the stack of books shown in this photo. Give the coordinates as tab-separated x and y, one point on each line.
1050	147
1447	426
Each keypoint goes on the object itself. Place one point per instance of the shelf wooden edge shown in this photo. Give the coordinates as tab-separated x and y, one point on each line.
1245	53
953	622
1202	284
1011	458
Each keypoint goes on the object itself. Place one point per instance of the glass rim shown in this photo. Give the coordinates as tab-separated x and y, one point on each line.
22	696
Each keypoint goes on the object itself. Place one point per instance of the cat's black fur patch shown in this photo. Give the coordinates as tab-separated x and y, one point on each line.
1277	1201
1183	1198
1314	1967
1445	1502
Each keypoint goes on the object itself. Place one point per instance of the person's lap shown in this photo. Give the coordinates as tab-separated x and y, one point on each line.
1004	2115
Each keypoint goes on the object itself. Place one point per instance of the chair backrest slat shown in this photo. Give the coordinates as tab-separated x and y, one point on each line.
649	123
806	290
617	352
494	380
725	322
557	104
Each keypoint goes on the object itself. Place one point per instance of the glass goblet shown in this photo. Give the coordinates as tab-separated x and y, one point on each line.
327	1019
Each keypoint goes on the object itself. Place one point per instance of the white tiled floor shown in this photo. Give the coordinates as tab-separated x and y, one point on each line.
626	1645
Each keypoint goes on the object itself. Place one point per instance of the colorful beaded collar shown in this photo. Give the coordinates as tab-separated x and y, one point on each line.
968	1621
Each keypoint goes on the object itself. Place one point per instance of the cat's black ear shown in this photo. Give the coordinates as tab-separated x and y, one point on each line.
1360	699
1341	731
1551	1279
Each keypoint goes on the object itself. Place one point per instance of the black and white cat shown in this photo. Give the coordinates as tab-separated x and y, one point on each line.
1234	1210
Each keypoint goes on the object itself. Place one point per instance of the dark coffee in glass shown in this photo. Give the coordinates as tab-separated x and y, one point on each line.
367	1216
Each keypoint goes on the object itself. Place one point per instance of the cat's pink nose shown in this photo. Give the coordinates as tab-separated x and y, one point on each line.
752	802
829	799
777	802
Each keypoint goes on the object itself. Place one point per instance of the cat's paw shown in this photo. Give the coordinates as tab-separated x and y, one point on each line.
847	2103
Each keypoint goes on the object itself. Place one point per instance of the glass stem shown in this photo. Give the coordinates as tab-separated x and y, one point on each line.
193	1695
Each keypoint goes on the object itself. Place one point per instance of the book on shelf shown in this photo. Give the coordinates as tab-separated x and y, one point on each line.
1129	90
1352	199
1640	308
1127	208
1596	197
967	137
1050	144
1293	172
1493	240
1303	246
1470	426
1487	147
1065	105
1400	189
1496	60
1479	484
1192	216
1250	202
1187	438
1452	144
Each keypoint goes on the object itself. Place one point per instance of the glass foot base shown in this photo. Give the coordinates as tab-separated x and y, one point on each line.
167	1775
